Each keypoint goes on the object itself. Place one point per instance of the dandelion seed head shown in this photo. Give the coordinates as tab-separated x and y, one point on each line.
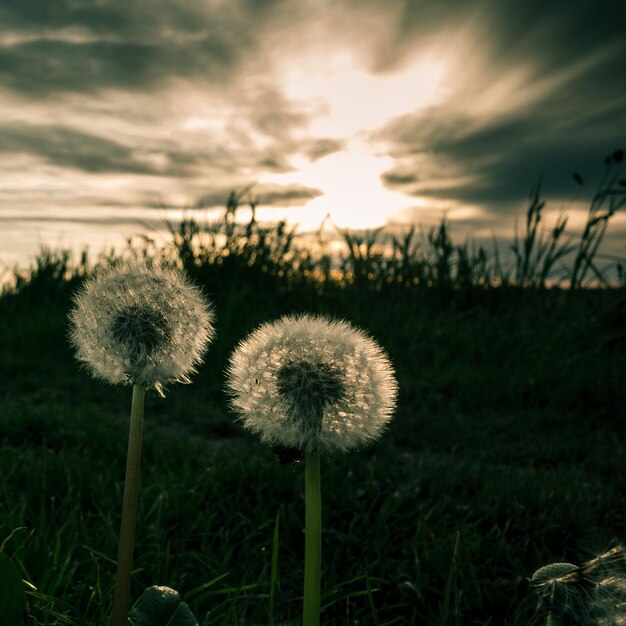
555	573
593	594
142	324
311	383
307	387
142	329
563	592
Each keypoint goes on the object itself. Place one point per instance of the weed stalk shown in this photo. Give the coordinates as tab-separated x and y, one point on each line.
129	510
313	539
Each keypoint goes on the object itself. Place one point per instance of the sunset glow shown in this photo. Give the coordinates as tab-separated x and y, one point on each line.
352	194
366	112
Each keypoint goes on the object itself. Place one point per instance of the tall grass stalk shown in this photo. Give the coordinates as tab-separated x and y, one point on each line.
609	197
535	257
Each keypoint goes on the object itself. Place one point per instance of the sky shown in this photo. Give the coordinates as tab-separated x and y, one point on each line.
116	115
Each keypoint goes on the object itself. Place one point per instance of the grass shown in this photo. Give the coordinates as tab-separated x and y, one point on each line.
506	452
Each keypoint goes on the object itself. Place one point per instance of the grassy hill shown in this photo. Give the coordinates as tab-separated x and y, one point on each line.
509	437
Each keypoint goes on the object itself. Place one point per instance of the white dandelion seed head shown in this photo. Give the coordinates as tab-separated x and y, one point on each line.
311	383
140	324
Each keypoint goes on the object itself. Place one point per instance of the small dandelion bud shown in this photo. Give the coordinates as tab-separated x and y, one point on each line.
554	572
593	594
562	593
135	324
312	384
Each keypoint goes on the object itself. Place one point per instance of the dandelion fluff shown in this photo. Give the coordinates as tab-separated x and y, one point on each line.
593	594
311	383
137	324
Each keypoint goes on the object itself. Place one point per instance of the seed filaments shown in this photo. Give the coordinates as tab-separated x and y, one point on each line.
593	594
135	323
557	586
141	331
308	387
310	383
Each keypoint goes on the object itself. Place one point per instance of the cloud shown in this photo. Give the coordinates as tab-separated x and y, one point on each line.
65	147
262	194
82	47
543	97
399	177
47	67
495	160
188	100
315	149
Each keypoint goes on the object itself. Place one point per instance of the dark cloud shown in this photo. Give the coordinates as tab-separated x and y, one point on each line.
65	147
273	115
100	16
85	46
399	177
498	160
261	194
556	31
91	220
571	113
572	100
45	67
272	160
293	195
315	149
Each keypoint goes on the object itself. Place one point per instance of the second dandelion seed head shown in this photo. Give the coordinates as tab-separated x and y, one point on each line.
311	383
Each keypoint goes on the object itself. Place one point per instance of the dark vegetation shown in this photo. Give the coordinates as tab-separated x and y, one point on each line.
506	453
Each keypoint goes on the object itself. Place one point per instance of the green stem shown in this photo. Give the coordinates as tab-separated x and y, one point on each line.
129	511
313	539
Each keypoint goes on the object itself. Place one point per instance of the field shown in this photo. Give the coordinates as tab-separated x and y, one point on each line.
506	451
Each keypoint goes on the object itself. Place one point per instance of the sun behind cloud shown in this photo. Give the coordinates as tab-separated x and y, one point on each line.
350	182
346	102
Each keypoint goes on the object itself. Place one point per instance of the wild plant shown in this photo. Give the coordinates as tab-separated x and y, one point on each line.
309	386
407	267
364	262
145	326
442	249
536	255
609	197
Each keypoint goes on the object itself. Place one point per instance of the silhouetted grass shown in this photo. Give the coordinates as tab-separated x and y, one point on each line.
509	435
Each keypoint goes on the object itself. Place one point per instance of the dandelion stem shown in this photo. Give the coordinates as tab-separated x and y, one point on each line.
313	539
129	511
